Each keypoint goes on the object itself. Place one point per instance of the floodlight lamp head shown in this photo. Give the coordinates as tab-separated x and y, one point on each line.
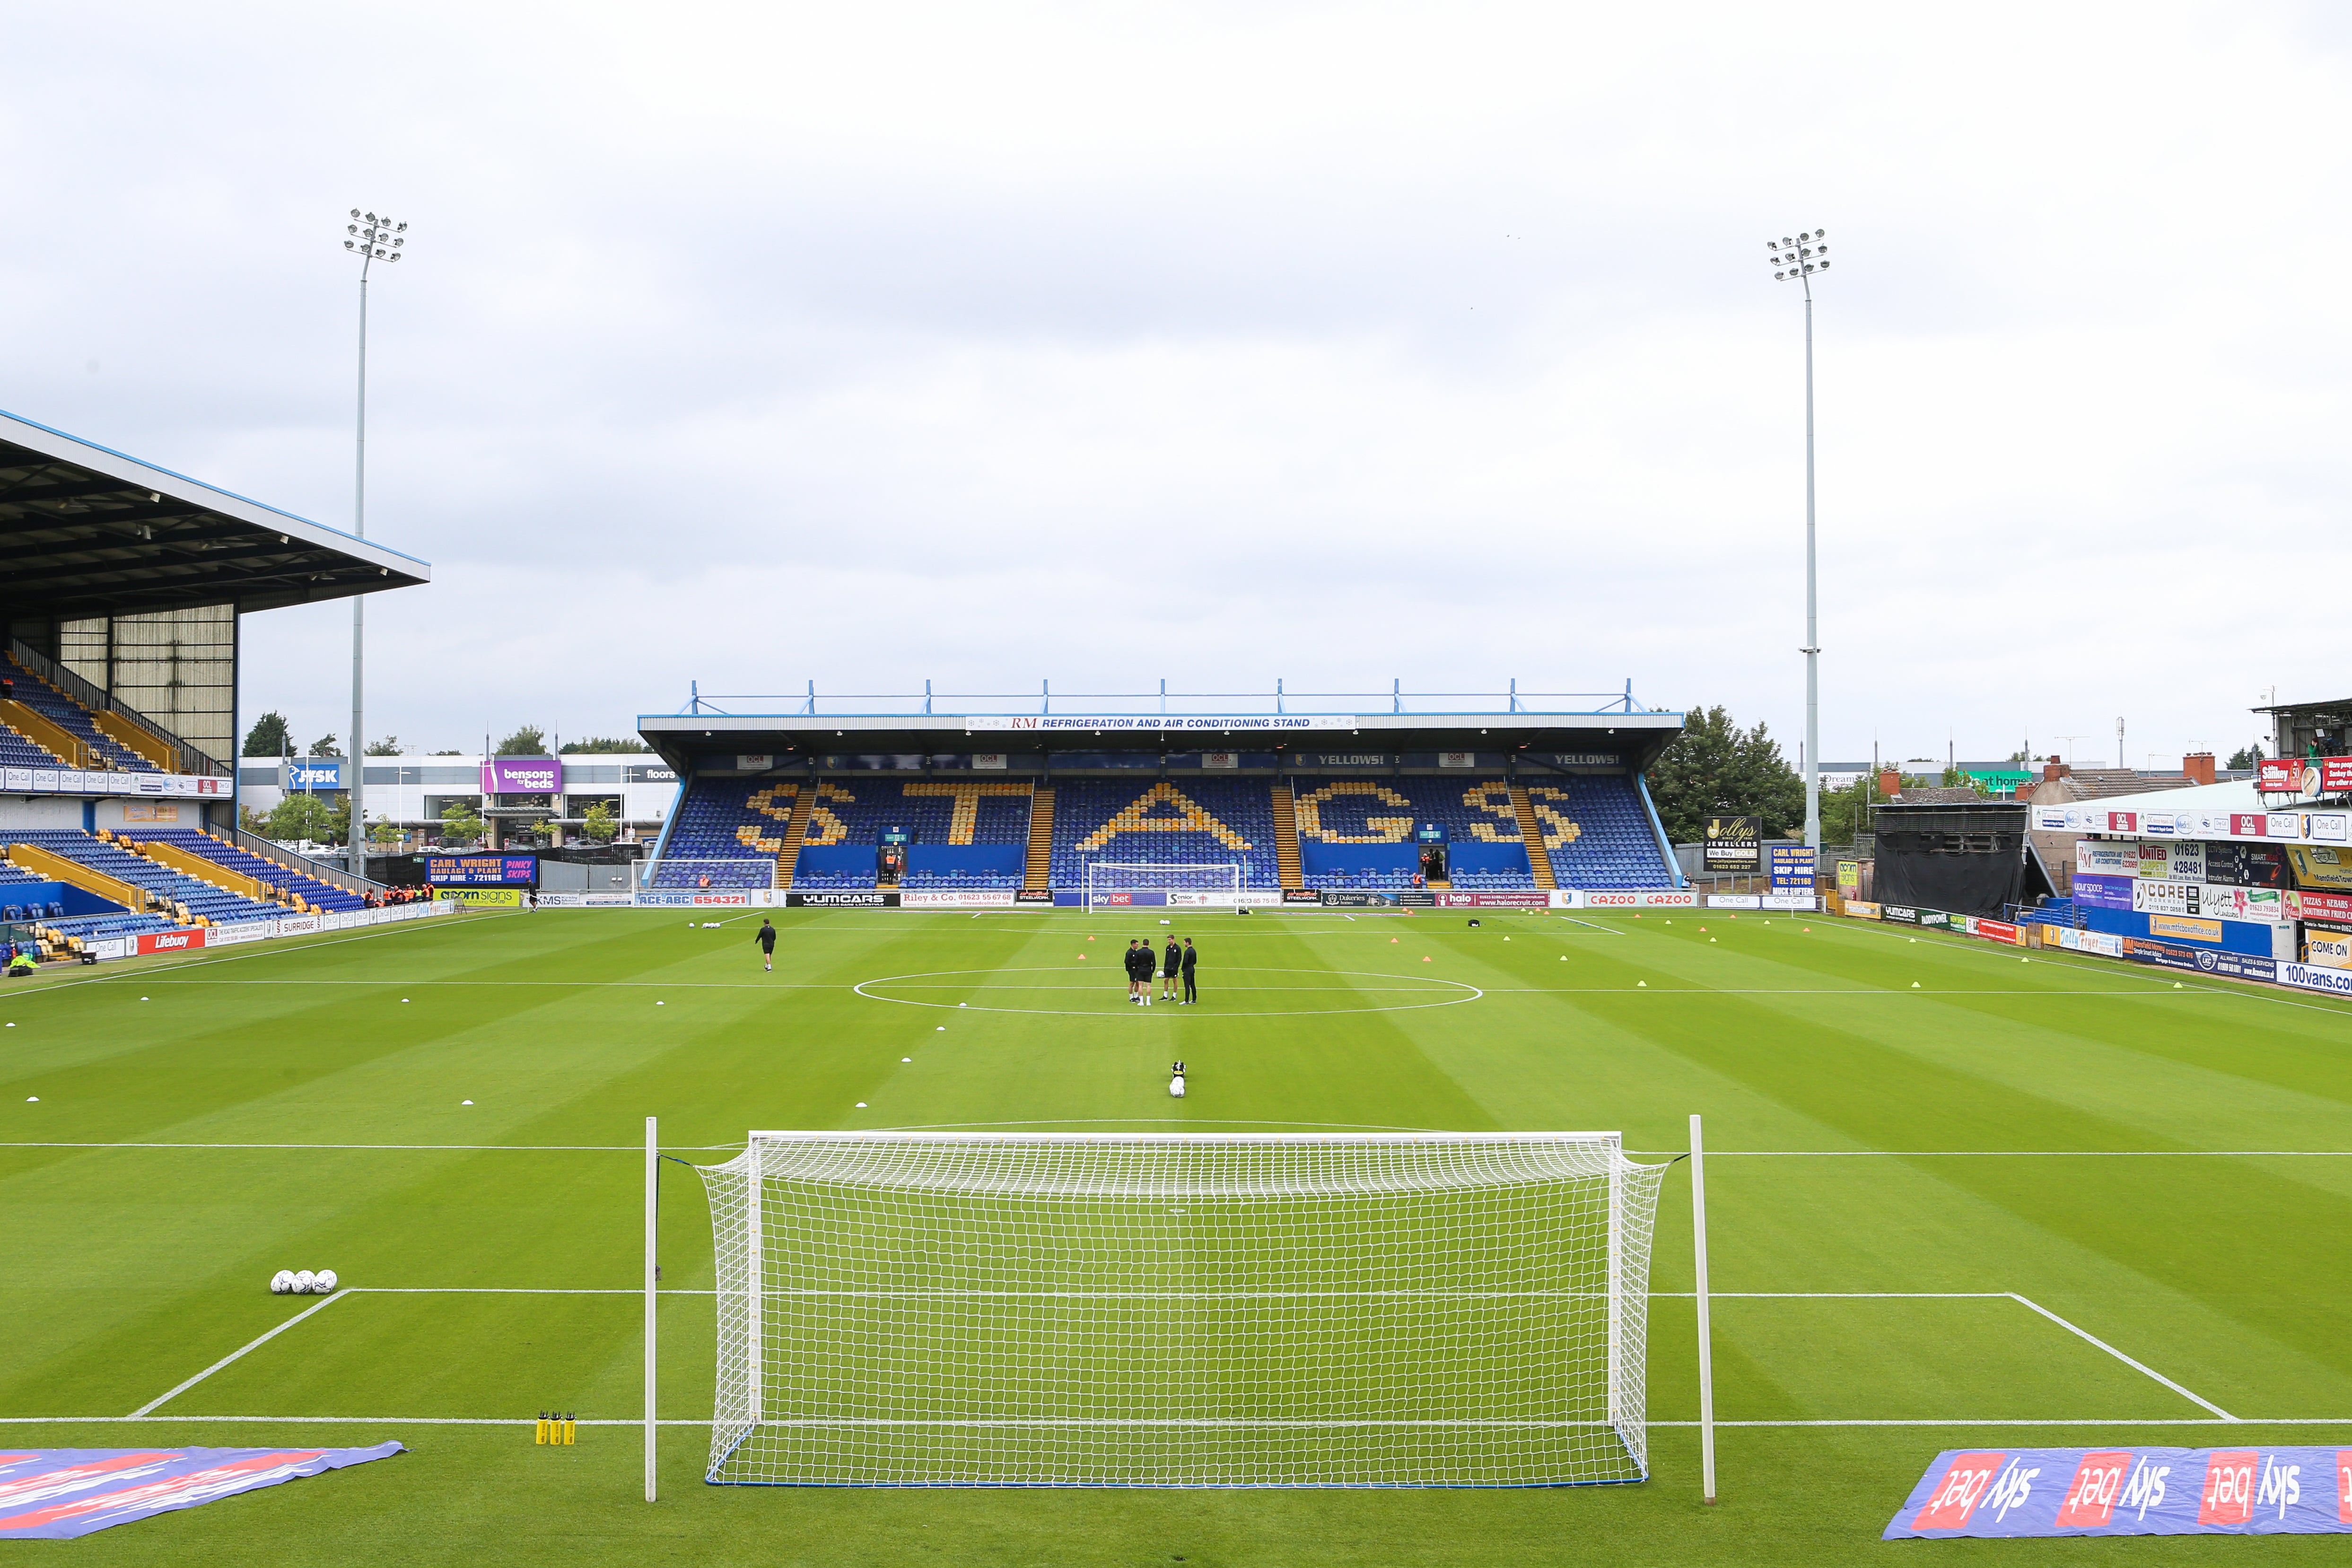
351	245
355	212
403	228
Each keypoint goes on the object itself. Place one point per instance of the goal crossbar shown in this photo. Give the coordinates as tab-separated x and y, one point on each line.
910	1309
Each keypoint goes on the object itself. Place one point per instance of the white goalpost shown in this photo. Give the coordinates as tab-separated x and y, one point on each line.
1380	1309
1114	884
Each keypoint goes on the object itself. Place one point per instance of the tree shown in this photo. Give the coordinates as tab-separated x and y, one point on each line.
528	741
301	815
598	824
382	831
459	825
324	746
1845	811
602	744
387	747
2246	758
269	737
1716	769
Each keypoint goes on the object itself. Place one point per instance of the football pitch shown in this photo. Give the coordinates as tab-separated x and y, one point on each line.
1956	1198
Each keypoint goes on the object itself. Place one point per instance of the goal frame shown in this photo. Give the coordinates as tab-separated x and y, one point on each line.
1625	1396
1224	896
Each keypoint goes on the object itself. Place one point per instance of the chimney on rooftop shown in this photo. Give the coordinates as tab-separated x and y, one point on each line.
1890	782
2053	770
2199	766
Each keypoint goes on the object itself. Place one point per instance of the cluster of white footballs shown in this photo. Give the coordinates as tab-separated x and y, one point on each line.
287	1282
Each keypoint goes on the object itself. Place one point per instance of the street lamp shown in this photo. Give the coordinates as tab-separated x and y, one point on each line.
1796	260
372	239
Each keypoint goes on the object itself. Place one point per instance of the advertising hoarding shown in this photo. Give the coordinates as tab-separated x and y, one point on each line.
1730	844
481	871
1792	869
874	901
172	940
1527	899
522	776
482	897
1121	724
1636	898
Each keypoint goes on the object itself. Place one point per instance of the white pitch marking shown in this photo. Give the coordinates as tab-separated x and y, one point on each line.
2137	1367
239	1352
1997	1421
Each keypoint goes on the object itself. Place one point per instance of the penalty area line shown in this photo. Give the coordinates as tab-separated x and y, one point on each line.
238	1354
2137	1366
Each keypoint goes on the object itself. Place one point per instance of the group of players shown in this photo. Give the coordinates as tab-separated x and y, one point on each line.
1173	964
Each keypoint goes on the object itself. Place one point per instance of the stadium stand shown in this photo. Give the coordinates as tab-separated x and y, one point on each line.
17	752
193	902
722	820
1220	822
77	720
1358	832
295	887
1599	834
941	817
1596	833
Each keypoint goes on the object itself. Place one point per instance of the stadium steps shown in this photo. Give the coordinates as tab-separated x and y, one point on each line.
1041	838
55	868
1531	834
133	737
1286	837
202	869
46	732
795	829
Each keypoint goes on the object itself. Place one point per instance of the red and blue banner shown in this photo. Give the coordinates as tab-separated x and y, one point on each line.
2130	1492
56	1494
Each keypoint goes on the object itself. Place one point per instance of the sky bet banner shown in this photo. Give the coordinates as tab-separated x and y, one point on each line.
56	1494
2130	1492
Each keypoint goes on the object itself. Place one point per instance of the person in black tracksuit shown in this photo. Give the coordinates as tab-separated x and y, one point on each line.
767	941
1169	962
1135	977
1190	960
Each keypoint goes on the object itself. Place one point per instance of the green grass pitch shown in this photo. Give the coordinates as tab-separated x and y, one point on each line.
1898	1179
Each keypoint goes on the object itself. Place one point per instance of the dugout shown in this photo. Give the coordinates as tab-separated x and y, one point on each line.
1962	858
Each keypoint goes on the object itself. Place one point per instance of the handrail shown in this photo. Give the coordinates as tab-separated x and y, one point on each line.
270	849
1278	700
193	759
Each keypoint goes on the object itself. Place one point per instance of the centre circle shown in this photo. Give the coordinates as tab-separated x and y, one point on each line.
1228	991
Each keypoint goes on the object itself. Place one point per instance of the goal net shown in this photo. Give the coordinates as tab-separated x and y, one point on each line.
741	872
1115	883
1437	1310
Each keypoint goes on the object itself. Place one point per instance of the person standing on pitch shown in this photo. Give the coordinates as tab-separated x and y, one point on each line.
1169	962
767	941
1133	995
1191	961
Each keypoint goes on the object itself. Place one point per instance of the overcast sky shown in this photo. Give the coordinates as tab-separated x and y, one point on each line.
988	344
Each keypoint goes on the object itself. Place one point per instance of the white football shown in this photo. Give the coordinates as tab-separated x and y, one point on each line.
281	1282
303	1279
323	1283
